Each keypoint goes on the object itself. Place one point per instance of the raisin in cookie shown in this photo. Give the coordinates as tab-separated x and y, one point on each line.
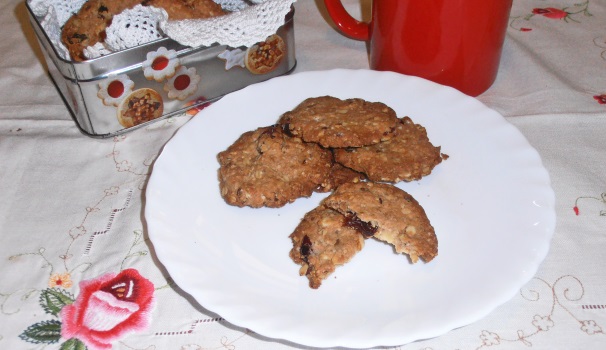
322	242
268	168
389	214
333	122
407	156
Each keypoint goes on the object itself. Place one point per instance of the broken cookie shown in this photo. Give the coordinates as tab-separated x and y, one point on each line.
323	241
389	214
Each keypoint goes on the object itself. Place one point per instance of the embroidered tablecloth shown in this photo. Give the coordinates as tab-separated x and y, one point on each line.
71	219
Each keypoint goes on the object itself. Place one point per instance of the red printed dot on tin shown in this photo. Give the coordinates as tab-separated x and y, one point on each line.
182	82
115	89
159	63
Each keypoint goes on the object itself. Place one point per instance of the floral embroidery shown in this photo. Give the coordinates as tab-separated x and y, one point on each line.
112	191
57	298
565	288
107	308
550	12
590	327
77	231
489	338
62	280
554	13
565	13
600	98
601	199
543	323
601	43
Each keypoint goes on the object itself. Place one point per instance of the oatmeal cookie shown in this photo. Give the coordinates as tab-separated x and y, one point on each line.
389	214
269	168
333	122
87	27
322	242
407	156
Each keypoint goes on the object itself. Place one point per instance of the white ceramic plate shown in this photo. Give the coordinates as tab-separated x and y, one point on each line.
490	203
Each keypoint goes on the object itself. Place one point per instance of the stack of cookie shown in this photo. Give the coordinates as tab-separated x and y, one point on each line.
355	149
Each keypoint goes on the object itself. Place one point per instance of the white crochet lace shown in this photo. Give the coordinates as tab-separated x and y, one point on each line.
248	22
50	25
63	8
134	27
249	25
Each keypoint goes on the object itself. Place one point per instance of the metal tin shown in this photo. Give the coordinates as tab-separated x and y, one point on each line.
103	94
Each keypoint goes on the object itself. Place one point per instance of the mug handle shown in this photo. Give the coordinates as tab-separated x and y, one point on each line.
346	24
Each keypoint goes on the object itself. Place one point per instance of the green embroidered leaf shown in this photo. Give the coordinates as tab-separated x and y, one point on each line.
43	332
53	300
73	344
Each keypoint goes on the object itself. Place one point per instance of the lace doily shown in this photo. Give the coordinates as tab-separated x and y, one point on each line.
50	25
134	27
63	8
248	22
245	27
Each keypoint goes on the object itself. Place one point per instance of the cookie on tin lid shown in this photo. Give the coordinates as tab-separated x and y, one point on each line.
333	122
267	167
389	214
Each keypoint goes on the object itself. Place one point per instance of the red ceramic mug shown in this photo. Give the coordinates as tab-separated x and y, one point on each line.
452	42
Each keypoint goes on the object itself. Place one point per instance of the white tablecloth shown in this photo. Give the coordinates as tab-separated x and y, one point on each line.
71	208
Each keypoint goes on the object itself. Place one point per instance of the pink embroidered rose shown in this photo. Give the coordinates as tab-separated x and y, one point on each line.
550	12
107	308
600	98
